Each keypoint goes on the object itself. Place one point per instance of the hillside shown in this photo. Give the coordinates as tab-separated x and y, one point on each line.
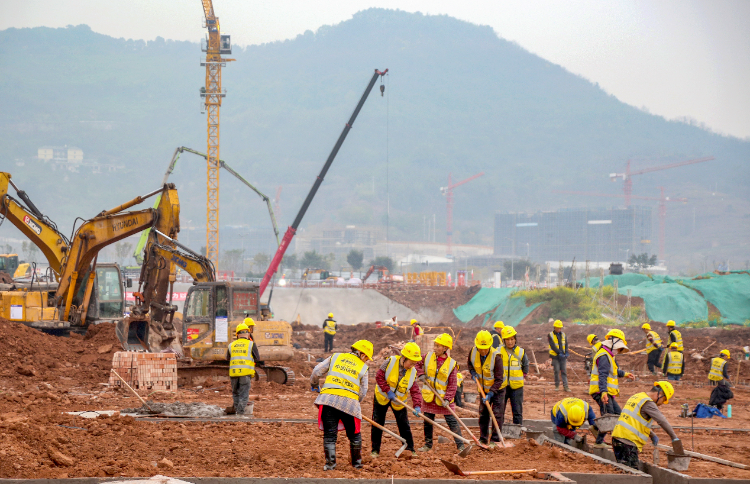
458	99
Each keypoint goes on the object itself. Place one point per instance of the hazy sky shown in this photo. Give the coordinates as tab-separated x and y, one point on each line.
675	58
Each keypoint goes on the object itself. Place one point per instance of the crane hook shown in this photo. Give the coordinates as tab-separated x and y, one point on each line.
382	89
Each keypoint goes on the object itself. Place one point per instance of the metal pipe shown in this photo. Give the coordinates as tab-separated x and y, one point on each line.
135	201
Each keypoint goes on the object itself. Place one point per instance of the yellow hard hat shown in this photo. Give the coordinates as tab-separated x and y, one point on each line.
576	415
241	327
249	322
667	388
498	325
484	340
508	332
364	346
558	324
590	338
412	352
413	322
725	352
646	326
330	315
446	340
674	345
670	323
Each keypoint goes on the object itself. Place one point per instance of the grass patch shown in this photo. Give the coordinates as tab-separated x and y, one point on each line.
582	305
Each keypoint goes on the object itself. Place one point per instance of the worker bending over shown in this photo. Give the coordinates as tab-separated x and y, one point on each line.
604	385
634	425
675	336
568	414
674	363
242	355
329	331
515	368
338	404
395	382
486	369
653	347
439	370
558	351
497	340
718	375
416	330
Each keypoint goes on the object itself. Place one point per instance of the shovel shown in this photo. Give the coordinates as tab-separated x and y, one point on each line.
392	434
457	470
466	427
492	415
151	410
468	445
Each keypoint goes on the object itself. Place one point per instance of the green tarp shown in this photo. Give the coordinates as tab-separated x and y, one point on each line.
630	279
511	312
730	294
487	299
665	301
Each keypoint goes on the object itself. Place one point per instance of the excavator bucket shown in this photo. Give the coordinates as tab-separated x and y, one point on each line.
133	334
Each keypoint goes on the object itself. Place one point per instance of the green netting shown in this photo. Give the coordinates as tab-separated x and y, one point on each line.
730	294
670	301
487	299
629	279
512	311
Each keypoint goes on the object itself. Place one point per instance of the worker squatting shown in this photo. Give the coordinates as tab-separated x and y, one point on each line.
498	367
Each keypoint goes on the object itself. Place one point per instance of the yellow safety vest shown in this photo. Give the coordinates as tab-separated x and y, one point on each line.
564	406
330	327
344	374
678	339
631	425
438	378
717	369
553	336
399	387
459	379
597	346
657	342
674	367
613	384
241	361
485	371
512	369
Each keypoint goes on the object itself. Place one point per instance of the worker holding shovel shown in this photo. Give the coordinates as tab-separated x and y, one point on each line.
487	370
395	382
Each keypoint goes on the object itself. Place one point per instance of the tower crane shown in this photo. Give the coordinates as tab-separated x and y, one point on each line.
627	186
216	44
448	192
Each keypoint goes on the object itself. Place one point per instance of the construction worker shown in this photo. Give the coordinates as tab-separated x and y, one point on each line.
675	336
439	370
329	331
487	370
344	388
718	376
497	340
416	330
653	347
634	425
674	363
243	356
595	345
515	368
460	377
604	385
395	382
568	414
558	351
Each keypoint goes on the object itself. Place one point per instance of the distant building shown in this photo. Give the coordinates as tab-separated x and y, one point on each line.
71	158
598	235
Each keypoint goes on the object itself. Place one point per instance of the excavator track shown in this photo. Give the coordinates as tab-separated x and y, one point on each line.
278	374
282	375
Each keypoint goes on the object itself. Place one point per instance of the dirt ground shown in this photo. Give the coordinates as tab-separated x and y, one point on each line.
38	440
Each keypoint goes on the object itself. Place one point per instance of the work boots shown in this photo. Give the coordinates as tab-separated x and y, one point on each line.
330	451
355	449
230	410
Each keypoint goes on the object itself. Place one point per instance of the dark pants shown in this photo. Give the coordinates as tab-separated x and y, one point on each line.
497	402
452	424
240	392
560	365
673	377
402	420
654	360
625	454
327	342
516	404
330	418
611	408
459	399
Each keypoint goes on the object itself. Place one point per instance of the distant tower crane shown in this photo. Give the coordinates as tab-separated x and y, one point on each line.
216	45
627	186
448	192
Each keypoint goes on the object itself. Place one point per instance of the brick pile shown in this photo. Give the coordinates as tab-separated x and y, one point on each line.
148	371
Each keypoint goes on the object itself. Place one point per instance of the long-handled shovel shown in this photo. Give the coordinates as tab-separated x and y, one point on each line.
468	445
457	470
463	424
151	410
392	434
492	415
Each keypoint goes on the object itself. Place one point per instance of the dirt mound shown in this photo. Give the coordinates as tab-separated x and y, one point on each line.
435	304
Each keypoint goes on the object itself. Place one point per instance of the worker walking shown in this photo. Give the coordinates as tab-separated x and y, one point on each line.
439	370
718	376
242	355
329	331
653	348
568	414
416	330
604	385
497	340
634	425
675	336
558	351
486	368
515	368
345	386
674	363
395	382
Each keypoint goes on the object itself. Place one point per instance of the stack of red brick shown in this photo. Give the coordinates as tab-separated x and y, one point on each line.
148	371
